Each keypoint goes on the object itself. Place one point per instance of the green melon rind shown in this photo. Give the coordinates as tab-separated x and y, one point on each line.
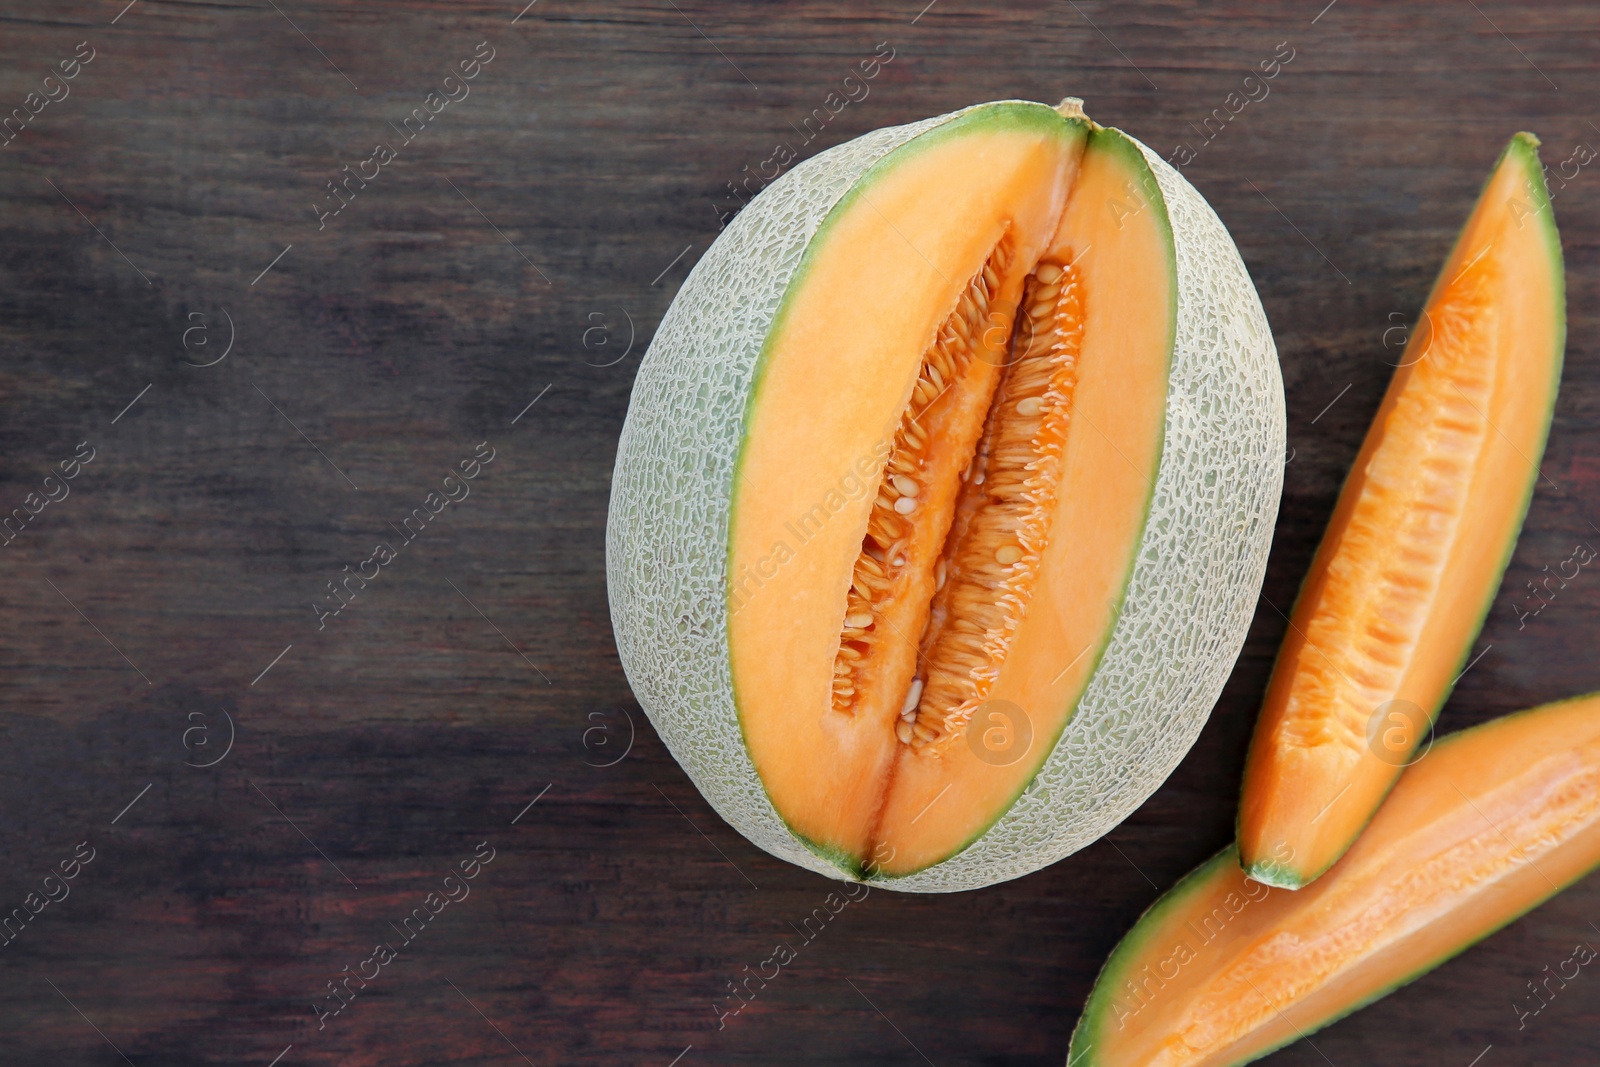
1187	604
1525	146
1125	958
1283	876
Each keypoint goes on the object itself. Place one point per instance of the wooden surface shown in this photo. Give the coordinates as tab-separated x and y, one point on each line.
477	671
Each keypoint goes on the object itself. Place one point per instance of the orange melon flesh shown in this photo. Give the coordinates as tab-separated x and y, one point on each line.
1419	539
1222	969
1006	287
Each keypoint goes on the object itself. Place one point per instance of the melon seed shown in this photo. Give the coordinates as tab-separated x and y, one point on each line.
1047	273
1005	554
905	486
862	619
906	505
913	695
1028	406
902	730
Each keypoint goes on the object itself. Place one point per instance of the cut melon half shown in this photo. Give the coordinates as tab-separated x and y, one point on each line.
1223	969
896	504
1419	540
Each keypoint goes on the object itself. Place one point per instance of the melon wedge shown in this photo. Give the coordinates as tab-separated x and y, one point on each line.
944	494
1418	542
1223	969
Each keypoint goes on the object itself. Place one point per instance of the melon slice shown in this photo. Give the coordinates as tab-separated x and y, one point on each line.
1223	969
1422	532
944	495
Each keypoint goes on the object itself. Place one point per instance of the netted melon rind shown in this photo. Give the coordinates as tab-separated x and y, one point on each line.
667	534
1189	601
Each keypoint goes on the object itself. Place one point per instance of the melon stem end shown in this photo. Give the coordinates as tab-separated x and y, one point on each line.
1071	107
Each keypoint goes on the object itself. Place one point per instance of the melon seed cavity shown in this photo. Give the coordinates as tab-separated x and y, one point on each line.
973	579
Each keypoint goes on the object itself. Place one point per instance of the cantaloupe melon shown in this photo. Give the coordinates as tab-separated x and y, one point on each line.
1422	532
1223	969
944	497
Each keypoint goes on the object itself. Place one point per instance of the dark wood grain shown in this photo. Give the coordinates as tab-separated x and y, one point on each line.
477	671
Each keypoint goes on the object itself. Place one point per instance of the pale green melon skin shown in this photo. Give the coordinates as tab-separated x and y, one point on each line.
1189	600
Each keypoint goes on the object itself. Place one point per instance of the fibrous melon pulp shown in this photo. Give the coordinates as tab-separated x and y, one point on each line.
944	497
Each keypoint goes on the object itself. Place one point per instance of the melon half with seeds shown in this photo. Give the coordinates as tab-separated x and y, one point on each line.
944	497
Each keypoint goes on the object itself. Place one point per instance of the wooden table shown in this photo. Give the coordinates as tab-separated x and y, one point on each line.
518	250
